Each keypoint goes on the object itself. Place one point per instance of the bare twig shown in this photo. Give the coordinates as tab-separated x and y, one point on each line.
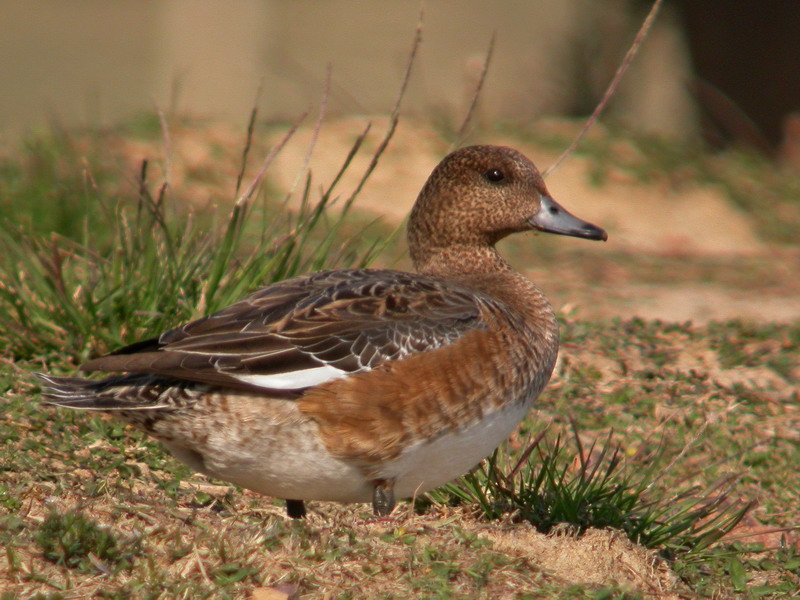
248	193
523	458
478	89
323	107
612	88
339	93
764	531
162	119
56	264
350	155
395	113
251	124
154	206
175	89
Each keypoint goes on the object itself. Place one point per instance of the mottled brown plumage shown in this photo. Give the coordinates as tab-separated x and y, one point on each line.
360	384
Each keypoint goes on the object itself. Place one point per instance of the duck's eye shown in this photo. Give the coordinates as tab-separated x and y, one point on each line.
494	175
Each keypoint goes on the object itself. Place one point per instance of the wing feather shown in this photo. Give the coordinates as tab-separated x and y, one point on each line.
282	336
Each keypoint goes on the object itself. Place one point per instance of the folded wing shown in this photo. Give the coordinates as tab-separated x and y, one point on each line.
304	331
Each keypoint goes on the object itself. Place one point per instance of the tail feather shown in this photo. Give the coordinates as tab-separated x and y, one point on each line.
114	393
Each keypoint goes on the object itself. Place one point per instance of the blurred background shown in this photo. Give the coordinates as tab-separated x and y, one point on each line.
694	168
728	71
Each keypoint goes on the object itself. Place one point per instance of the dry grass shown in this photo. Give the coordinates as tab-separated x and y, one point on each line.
238	542
721	399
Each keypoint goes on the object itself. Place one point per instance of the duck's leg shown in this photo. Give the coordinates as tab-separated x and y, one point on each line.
296	509
383	497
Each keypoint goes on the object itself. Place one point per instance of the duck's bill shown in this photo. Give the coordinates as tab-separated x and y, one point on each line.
554	218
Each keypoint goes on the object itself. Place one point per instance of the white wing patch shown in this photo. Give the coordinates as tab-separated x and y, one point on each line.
294	380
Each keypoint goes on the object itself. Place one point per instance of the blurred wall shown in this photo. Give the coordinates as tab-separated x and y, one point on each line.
746	55
95	61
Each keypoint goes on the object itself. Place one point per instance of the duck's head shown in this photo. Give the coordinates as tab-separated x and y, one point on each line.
480	194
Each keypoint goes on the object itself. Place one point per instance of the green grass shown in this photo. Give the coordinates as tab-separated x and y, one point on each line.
50	180
126	266
75	541
663	431
550	485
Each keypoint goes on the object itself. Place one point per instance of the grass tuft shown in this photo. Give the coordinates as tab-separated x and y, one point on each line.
141	264
553	486
75	541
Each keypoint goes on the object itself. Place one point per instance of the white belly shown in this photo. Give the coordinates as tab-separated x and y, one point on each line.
428	465
287	460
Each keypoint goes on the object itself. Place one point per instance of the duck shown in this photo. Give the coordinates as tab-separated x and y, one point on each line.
359	385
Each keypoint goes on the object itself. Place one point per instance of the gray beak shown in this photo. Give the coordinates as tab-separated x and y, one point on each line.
554	218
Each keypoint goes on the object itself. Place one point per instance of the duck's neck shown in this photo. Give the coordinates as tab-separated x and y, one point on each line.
458	260
481	268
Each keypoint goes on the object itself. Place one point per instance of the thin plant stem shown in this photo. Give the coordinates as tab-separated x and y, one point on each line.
612	87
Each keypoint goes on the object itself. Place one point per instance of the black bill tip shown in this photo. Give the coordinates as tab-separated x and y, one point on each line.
554	218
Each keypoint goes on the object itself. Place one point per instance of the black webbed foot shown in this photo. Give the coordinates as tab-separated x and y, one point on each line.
295	509
383	497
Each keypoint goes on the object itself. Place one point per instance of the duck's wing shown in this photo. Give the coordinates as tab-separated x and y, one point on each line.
304	331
